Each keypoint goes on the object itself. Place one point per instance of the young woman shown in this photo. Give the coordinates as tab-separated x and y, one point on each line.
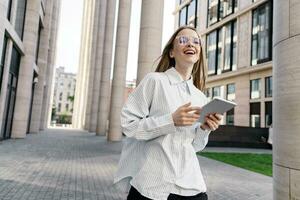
158	159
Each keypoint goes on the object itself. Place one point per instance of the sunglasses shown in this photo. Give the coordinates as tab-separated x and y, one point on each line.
184	40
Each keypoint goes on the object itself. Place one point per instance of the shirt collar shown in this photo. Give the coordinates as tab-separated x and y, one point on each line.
175	78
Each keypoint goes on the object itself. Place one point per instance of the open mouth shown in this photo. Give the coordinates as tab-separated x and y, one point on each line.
189	52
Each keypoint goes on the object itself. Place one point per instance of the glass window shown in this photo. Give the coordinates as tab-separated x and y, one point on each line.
60	96
20	17
3	56
254	114
226	8
231	91
268	115
67	107
183	16
268	84
230	117
261	34
255	89
234	49
221	49
9	10
38	43
192	13
211	52
212	11
59	107
216	92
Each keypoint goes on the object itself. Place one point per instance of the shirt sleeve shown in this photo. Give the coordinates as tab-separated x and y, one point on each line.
201	138
135	119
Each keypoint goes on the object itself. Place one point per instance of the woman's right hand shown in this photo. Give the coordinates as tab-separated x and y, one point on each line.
186	115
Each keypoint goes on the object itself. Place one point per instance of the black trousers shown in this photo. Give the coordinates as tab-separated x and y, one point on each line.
135	195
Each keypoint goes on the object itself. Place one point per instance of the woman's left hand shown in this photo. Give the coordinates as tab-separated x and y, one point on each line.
212	122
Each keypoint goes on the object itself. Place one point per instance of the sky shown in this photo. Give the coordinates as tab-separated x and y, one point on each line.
69	34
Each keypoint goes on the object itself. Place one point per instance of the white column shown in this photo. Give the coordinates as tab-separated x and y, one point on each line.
42	64
25	77
286	100
119	78
49	89
150	36
106	69
98	66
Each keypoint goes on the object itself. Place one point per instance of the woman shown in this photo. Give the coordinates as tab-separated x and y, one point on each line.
159	159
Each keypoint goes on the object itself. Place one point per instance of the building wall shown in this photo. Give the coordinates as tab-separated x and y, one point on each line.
244	71
21	23
64	87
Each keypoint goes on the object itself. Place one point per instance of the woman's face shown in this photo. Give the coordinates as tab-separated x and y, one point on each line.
186	47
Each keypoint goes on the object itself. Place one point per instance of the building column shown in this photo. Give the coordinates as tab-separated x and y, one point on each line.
80	98
48	91
150	36
91	64
98	66
42	64
104	102
119	78
286	104
23	95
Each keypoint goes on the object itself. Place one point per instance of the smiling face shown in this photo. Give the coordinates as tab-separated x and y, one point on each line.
186	48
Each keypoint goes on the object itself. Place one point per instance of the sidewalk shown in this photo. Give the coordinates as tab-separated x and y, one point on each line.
72	164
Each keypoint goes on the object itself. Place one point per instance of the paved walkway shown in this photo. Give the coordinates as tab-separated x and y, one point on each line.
70	164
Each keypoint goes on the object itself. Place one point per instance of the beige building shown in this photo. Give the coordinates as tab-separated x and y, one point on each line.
64	91
238	40
28	30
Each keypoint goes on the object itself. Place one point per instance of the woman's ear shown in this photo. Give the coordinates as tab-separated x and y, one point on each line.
171	53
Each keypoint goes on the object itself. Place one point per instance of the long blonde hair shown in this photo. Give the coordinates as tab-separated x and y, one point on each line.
199	71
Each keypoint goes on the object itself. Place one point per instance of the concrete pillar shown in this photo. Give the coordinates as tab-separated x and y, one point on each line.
104	102
98	66
42	64
48	91
286	104
22	104
150	36
91	64
119	79
82	75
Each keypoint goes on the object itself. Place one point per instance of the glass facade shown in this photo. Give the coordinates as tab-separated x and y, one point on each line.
221	49
255	89
20	17
254	114
231	92
216	92
219	9
38	43
211	52
262	34
268	113
188	14
230	117
269	86
3	57
8	15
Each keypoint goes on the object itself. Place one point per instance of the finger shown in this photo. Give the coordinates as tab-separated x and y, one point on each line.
192	115
192	108
211	124
186	105
218	116
205	126
212	117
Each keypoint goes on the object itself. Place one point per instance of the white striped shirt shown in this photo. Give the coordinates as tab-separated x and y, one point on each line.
159	158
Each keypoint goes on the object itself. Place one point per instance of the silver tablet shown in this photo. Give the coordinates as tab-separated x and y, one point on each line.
217	105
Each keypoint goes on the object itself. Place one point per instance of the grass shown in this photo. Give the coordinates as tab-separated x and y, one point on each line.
260	163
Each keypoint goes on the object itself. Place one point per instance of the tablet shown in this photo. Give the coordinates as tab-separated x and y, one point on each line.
217	105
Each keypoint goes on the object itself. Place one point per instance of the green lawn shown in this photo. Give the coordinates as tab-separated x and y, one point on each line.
260	163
